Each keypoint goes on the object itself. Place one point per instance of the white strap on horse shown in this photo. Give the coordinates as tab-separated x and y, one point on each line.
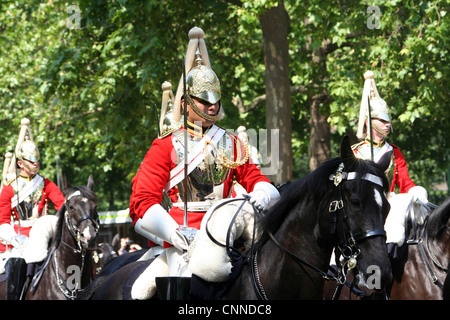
29	189
368	176
352	175
76	193
195	157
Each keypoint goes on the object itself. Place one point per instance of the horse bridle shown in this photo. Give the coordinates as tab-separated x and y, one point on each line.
347	245
75	229
75	232
423	237
348	242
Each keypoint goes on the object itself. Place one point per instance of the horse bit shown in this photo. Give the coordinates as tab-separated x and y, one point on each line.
74	230
348	241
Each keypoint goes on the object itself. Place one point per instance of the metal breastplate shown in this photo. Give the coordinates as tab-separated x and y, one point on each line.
209	174
364	153
390	170
29	206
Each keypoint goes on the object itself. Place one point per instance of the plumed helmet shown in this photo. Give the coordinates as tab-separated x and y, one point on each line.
26	148
28	151
201	81
378	107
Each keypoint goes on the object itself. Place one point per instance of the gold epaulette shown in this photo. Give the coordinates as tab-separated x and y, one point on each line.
8	182
356	145
168	132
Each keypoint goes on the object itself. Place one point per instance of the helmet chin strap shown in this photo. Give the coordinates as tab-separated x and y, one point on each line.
378	129
200	112
33	170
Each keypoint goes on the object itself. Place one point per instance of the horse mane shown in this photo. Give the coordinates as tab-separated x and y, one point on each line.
316	186
85	192
437	220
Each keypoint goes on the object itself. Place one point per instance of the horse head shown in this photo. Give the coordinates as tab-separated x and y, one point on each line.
81	213
358	209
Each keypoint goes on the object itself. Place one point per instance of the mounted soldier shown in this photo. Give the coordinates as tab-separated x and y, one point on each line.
192	164
24	197
373	127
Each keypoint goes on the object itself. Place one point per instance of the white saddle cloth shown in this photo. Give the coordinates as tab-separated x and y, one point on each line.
204	258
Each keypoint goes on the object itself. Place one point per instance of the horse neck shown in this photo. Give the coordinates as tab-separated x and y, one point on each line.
299	236
440	247
68	252
415	281
305	243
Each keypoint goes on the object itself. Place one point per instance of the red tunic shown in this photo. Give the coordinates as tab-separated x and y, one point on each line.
154	172
400	176
50	192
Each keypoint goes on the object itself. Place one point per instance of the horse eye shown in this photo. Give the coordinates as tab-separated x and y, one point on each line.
355	202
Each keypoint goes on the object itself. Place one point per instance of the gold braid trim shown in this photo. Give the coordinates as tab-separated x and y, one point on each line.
227	163
375	143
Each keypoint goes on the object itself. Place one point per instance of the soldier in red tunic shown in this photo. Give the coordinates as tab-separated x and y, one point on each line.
374	145
23	198
215	159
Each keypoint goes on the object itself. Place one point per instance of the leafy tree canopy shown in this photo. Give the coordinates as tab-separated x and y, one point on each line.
92	90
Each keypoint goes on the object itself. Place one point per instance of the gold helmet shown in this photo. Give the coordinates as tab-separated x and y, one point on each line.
201	81
28	151
378	107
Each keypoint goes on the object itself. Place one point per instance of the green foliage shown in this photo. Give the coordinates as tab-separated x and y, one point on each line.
408	55
93	93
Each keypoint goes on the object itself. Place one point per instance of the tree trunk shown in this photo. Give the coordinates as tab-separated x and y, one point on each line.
275	27
319	140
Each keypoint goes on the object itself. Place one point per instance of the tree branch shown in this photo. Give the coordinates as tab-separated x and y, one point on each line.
237	101
235	2
78	116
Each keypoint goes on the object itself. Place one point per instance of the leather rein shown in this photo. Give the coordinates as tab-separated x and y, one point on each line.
74	231
347	244
423	237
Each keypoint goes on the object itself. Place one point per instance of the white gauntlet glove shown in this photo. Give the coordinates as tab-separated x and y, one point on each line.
161	226
178	240
18	241
263	194
419	194
8	234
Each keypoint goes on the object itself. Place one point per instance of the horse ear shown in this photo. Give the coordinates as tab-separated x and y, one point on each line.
90	183
385	160
347	155
65	184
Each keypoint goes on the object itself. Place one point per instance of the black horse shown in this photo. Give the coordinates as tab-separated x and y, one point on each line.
341	204
422	273
68	267
102	255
